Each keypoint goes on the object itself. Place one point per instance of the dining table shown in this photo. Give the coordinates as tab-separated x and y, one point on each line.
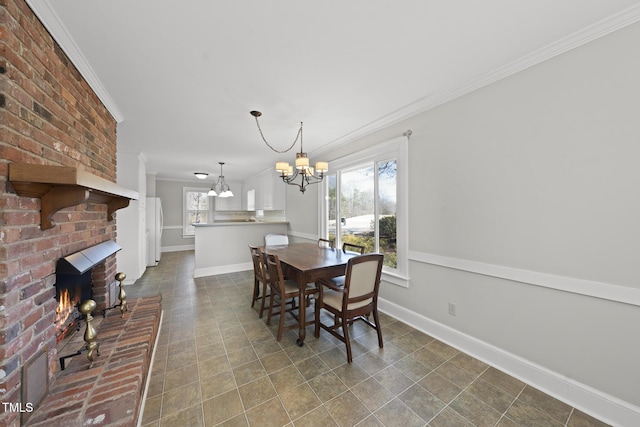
305	263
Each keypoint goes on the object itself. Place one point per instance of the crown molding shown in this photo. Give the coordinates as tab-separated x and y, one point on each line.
599	29
58	31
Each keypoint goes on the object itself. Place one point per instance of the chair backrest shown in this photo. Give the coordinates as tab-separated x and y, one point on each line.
259	269
351	247
276	240
276	278
362	280
326	243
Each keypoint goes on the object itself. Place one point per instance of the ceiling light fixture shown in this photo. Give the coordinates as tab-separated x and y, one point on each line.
308	174
201	175
220	188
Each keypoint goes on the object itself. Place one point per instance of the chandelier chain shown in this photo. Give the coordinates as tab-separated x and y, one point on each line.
274	149
301	168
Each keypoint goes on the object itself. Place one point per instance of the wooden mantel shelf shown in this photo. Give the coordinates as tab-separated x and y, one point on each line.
60	187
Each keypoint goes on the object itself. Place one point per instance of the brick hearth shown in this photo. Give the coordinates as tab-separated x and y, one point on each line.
111	392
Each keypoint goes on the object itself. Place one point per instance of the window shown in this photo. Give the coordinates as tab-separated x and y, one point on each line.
364	205
364	199
197	209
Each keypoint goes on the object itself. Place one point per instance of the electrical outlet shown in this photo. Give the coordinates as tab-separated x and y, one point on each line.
452	309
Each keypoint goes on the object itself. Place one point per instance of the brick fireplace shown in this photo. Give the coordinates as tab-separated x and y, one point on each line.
49	116
74	284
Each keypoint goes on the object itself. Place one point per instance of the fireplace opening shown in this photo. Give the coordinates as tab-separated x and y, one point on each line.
71	291
74	284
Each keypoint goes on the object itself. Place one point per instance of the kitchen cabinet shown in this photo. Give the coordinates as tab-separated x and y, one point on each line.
269	190
230	203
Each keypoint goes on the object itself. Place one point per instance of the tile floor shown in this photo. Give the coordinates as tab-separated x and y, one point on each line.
217	363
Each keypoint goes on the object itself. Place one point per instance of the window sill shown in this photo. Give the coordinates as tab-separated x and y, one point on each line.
396	279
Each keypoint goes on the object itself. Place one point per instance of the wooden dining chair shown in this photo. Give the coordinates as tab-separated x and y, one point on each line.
354	301
326	243
347	247
352	247
260	277
311	287
276	240
282	290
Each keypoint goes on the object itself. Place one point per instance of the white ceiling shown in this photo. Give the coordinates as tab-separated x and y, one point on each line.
182	76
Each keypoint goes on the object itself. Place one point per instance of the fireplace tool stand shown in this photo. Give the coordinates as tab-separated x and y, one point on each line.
90	336
122	296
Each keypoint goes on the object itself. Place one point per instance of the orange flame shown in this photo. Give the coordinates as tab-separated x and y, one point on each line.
64	309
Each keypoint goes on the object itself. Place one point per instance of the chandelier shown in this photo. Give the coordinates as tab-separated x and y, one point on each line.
308	175
220	188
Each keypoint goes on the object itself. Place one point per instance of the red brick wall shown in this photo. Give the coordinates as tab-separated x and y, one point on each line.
48	115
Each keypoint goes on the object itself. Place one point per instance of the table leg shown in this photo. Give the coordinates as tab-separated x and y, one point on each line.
302	316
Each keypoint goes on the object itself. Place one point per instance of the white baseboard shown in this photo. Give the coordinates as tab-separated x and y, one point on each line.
178	248
600	405
222	269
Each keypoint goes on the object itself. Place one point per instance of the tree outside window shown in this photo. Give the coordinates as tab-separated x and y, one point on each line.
362	208
196	209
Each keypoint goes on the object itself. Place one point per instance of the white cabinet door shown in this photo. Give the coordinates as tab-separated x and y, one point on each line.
279	195
269	190
230	203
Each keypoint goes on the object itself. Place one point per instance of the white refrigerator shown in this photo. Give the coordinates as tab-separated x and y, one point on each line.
154	231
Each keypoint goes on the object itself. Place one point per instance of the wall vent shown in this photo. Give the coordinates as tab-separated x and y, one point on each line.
35	384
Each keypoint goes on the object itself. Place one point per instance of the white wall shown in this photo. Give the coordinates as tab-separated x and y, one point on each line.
151	184
132	259
302	212
524	209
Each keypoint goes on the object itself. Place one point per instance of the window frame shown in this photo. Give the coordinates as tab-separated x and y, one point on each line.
393	149
185	211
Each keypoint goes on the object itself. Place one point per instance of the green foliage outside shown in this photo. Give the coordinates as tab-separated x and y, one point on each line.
387	229
387	226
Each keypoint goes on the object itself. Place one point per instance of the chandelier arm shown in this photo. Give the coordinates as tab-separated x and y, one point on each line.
308	176
270	146
306	179
290	178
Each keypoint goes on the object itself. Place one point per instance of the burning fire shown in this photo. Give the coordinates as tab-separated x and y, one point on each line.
66	306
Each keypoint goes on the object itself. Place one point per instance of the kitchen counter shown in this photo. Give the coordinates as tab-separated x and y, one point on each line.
223	247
